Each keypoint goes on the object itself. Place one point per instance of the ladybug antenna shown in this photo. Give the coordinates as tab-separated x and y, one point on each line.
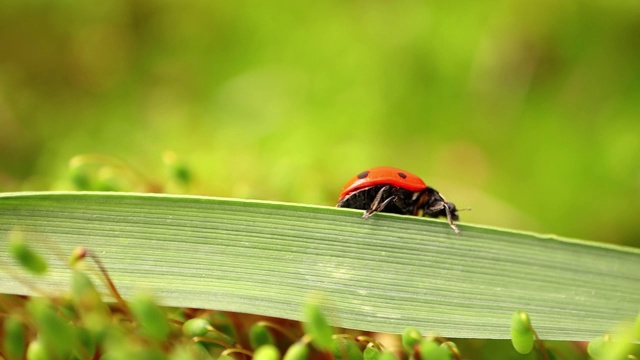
464	209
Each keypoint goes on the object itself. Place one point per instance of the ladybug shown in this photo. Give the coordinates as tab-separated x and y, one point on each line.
391	190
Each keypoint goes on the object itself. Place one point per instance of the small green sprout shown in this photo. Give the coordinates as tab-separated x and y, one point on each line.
410	338
522	336
14	339
431	350
371	352
78	254
54	331
151	318
36	351
25	255
267	352
316	326
259	336
297	351
196	327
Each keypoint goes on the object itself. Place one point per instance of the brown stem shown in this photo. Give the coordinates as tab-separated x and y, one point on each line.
543	350
279	328
110	285
213	341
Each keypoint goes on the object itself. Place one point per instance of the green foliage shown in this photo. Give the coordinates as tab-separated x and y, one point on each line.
297	351
14	339
387	355
316	325
80	325
77	255
139	228
37	351
344	348
620	345
24	254
58	337
87	342
599	346
431	350
196	327
410	338
67	328
131	349
371	353
179	174
98	172
451	348
522	335
259	336
90	327
93	313
288	110
150	317
267	352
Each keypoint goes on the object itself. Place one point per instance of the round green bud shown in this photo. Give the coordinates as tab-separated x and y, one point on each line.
431	350
25	255
345	349
36	351
297	351
410	338
267	352
598	346
195	327
77	255
80	177
371	353
451	347
259	336
521	332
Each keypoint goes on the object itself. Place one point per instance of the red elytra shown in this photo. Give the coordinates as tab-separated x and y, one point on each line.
383	175
392	190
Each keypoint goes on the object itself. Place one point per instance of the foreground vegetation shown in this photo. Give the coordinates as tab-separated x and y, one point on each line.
79	325
203	254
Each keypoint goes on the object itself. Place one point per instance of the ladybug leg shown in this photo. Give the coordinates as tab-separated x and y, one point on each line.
443	205
378	204
449	219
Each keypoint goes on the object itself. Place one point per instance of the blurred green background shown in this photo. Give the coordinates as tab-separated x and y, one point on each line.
526	111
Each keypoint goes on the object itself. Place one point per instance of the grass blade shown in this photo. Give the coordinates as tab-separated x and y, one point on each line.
382	274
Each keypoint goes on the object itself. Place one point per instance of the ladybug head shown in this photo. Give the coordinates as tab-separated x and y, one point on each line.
435	205
453	212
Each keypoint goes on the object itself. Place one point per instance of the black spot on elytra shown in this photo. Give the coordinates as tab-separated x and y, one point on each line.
363	174
402	175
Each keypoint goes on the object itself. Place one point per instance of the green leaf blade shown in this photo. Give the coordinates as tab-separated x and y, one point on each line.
383	274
